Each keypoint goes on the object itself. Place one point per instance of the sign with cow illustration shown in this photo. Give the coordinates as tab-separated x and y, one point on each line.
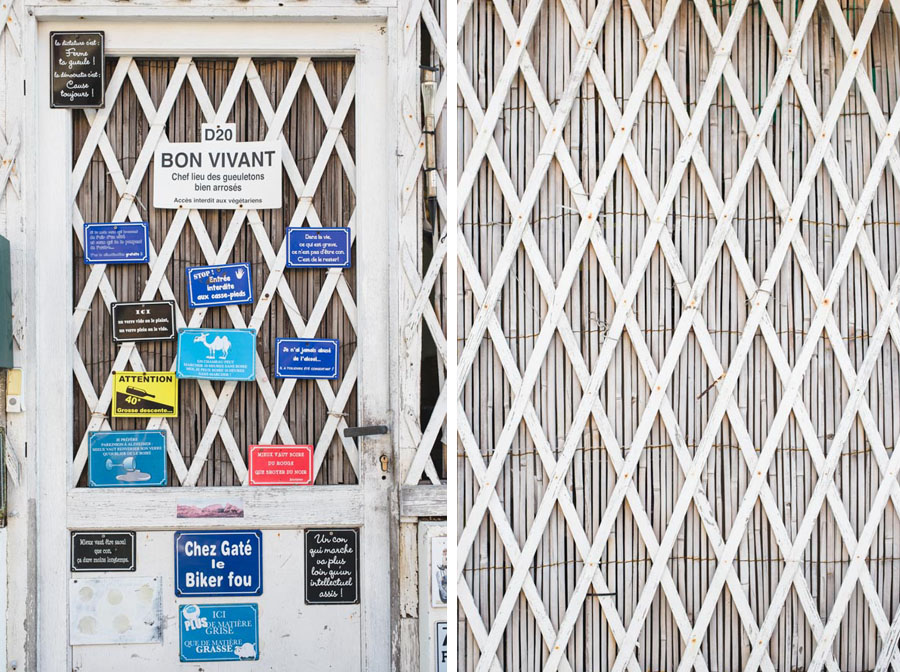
216	354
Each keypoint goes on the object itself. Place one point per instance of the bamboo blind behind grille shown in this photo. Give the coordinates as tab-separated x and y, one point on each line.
579	260
309	416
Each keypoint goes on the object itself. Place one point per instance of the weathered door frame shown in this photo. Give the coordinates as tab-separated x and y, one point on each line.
371	505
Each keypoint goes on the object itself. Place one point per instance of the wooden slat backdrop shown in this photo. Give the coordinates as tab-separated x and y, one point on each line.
334	201
485	223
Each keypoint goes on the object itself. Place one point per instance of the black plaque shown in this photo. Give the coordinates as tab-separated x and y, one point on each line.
143	321
77	69
102	551
332	566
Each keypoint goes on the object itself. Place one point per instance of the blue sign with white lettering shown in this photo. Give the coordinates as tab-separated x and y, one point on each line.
310	358
117	243
315	247
219	632
223	285
127	459
216	354
218	563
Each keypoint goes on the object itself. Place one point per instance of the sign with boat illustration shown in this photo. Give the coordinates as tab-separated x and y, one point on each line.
145	394
127	459
216	354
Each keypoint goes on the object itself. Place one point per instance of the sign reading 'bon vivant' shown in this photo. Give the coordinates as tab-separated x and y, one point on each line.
77	65
143	321
217	175
332	566
102	551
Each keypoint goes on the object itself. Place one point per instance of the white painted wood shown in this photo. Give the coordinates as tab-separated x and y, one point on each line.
514	79
147	509
423	501
372	505
325	630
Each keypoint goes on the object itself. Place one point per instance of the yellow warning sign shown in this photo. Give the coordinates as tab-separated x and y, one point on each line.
140	394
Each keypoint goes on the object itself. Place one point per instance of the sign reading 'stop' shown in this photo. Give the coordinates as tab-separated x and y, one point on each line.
217	175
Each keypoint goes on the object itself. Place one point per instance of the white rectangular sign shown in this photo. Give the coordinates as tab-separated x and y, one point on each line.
217	175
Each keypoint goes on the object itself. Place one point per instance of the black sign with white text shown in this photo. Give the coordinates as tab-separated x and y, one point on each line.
102	551
332	566
143	321
77	69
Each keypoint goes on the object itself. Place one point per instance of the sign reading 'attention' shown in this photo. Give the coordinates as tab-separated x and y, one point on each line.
77	65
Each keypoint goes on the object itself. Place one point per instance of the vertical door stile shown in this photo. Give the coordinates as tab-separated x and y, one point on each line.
378	373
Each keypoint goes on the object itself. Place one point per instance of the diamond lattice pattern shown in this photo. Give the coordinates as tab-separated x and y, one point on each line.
305	104
678	374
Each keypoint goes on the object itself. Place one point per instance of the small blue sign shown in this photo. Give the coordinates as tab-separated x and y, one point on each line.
223	285
218	563
117	243
311	358
216	354
315	247
127	459
219	632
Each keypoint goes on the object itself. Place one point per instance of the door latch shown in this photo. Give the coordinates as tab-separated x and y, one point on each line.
384	463
366	430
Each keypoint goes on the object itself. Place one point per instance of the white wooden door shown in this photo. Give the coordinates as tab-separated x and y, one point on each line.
319	89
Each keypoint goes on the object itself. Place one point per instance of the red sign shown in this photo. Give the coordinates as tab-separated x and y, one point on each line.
281	465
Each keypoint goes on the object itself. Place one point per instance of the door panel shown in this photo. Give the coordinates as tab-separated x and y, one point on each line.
293	636
164	80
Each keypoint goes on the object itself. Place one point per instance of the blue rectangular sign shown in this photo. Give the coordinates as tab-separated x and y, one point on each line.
315	247
219	285
310	358
117	243
127	459
216	354
218	563
219	632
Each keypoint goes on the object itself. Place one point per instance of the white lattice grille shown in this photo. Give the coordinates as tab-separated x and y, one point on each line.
308	106
423	255
679	294
11	53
